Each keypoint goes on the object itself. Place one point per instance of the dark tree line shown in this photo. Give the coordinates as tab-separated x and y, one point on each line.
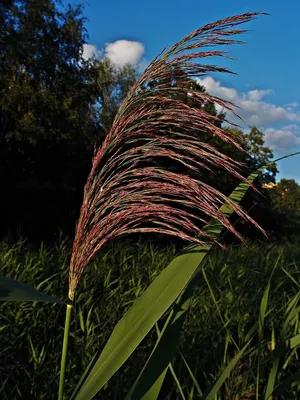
54	107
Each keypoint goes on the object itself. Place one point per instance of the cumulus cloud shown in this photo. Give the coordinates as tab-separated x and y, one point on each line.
283	140
123	52
254	109
257	111
291	106
120	52
90	51
259	94
294	104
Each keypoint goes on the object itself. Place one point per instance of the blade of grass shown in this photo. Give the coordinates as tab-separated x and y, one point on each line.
287	384
162	353
176	381
11	290
283	347
290	276
195	382
272	379
261	325
225	374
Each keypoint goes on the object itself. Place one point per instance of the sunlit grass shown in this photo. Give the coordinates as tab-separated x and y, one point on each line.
232	304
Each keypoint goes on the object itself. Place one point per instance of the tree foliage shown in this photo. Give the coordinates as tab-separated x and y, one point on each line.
45	89
112	86
49	114
286	195
284	209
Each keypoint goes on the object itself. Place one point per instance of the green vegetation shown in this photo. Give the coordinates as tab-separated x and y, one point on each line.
140	323
233	303
54	107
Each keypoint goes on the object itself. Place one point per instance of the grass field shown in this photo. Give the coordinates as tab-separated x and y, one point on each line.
247	293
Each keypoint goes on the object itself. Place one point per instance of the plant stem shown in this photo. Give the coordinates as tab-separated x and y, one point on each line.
64	353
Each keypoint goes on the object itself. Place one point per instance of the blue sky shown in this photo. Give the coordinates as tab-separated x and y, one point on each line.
268	83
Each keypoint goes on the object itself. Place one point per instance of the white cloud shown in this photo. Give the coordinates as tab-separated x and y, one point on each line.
215	88
120	52
259	94
90	51
292	127
254	110
123	52
294	104
283	140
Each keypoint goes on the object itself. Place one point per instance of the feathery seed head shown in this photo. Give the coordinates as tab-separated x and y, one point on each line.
126	190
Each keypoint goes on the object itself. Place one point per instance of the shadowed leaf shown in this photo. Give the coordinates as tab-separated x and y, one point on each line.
11	290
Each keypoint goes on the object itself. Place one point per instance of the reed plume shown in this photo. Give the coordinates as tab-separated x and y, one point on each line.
126	190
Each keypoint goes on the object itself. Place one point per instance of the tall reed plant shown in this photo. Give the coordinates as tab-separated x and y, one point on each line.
126	192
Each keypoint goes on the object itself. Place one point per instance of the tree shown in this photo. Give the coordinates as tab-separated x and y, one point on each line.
45	89
112	85
46	114
49	115
282	215
286	194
